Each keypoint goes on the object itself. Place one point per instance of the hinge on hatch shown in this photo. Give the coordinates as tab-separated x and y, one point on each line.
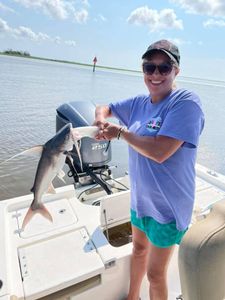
16	215
23	263
89	246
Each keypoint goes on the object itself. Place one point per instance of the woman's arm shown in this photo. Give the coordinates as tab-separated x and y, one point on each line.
157	148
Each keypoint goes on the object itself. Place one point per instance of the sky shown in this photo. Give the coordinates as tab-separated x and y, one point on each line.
118	32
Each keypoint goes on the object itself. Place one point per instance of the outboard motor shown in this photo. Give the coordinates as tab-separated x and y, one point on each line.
95	154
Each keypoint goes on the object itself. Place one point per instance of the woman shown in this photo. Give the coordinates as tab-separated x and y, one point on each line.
162	130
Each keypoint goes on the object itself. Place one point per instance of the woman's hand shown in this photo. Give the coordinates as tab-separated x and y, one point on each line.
108	131
101	124
101	114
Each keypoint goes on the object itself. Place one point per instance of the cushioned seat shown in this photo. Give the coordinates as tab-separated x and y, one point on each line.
202	257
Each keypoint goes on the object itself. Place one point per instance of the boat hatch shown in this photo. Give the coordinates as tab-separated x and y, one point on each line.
115	209
201	185
115	218
62	214
57	263
205	197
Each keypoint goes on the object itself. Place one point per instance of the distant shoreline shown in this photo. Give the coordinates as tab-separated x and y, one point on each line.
71	62
206	81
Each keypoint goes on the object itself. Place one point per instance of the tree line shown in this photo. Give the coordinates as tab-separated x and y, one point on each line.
18	53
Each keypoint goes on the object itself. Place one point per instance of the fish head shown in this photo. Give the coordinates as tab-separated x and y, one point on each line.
63	140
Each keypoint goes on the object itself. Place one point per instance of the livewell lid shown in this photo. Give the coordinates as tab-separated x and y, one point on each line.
61	212
56	263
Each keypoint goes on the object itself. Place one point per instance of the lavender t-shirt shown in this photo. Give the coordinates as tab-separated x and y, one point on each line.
164	191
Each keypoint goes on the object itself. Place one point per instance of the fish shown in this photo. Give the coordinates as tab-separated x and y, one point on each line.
52	159
50	164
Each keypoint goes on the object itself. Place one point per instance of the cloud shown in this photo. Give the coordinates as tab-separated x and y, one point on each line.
179	42
102	18
6	8
155	20
57	40
214	8
55	8
85	2
4	28
71	43
23	32
59	9
214	23
81	16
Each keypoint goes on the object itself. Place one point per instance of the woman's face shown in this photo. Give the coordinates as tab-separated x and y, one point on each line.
159	84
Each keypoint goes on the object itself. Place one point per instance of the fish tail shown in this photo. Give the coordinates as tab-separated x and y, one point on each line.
31	212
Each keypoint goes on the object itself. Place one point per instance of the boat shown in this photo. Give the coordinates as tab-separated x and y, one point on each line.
85	253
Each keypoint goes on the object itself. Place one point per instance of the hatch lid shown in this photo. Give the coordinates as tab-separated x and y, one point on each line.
61	212
54	264
115	208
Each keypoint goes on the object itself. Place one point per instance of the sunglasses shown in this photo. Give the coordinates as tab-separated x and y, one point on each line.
163	68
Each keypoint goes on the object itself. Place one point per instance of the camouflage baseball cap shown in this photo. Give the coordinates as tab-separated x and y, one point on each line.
165	46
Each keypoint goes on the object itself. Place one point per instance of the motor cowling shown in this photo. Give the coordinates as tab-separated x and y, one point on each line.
93	152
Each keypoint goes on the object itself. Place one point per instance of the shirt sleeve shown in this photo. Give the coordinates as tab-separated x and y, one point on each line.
185	122
122	110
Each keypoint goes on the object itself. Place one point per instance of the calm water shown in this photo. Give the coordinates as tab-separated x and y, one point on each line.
32	90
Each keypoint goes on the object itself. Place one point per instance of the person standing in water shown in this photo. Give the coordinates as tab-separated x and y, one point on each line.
162	130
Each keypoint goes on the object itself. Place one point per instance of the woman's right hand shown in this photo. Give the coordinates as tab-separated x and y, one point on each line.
101	113
99	135
99	123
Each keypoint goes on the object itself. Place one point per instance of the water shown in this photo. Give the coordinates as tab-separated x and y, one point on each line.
31	90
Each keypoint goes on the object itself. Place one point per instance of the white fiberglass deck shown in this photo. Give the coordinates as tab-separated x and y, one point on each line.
71	258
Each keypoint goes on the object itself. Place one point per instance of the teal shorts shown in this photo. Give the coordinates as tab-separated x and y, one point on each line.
160	235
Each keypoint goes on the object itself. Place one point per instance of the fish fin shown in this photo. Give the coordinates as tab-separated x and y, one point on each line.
79	155
30	213
51	189
60	175
36	150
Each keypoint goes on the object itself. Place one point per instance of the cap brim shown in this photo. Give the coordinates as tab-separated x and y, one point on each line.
151	51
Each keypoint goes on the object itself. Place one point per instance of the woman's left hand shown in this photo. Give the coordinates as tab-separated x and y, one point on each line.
109	132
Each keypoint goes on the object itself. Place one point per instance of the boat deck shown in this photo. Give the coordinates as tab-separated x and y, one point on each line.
72	257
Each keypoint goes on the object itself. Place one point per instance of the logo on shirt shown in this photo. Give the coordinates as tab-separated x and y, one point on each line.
154	124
